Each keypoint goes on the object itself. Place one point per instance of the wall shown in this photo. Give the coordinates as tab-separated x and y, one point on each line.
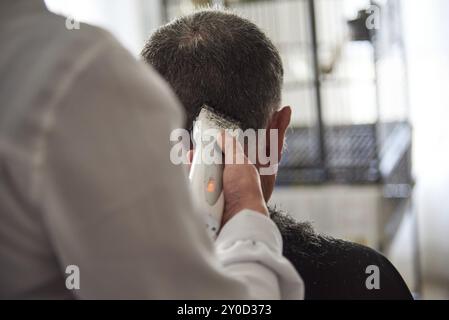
426	26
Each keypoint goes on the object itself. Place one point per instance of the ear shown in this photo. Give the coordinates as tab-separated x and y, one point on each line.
280	120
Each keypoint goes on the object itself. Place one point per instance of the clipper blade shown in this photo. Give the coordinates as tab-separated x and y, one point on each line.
214	120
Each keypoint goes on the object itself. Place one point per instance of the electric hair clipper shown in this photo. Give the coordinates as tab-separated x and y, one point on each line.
206	172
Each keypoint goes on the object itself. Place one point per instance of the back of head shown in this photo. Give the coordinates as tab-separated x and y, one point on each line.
222	60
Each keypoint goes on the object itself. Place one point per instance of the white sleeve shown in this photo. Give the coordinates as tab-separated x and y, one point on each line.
250	247
120	210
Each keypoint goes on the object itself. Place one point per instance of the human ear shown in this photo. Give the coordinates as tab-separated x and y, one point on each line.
280	122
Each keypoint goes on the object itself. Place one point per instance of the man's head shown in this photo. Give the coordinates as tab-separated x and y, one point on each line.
222	60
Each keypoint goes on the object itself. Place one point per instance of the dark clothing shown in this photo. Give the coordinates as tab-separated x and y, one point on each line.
335	269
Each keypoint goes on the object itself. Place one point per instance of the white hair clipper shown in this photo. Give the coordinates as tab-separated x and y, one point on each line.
206	175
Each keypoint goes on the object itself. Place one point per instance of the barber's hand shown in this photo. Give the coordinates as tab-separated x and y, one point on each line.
241	182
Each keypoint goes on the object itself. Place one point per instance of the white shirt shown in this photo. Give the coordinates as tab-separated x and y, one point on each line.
86	179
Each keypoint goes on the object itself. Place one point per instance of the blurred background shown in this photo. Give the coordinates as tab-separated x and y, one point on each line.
368	81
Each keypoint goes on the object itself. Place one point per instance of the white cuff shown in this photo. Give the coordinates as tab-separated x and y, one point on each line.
251	241
250	225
